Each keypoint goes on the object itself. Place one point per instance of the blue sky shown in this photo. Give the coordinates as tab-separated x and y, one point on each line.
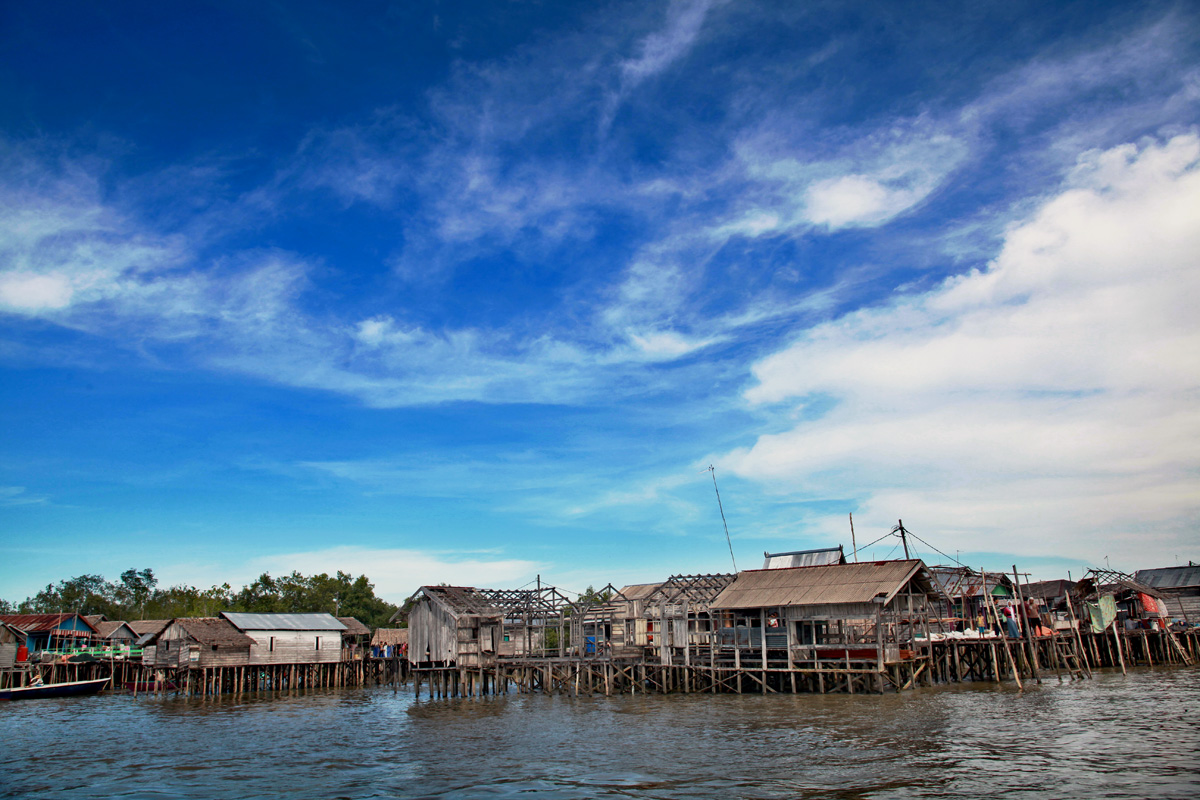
473	292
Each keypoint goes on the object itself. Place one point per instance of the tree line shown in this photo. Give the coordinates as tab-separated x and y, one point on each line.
136	595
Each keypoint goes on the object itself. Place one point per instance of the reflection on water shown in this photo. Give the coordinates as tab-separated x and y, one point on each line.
1113	737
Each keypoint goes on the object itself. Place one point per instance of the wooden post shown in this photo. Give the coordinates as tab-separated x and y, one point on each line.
1033	662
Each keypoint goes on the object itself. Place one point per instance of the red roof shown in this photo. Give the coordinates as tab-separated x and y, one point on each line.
40	623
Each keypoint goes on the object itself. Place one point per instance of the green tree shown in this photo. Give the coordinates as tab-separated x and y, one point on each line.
136	587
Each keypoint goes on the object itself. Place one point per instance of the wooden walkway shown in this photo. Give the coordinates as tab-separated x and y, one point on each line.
1064	656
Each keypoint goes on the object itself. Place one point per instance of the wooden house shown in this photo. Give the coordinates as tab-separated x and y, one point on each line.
454	626
620	624
1138	605
115	636
472	627
677	614
354	638
962	589
1180	589
870	611
52	631
290	638
200	642
147	630
12	639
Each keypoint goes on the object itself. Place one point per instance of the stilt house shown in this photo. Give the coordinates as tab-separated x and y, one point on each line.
354	638
453	626
841	612
678	613
200	642
1180	589
617	626
469	627
290	638
963	590
52	631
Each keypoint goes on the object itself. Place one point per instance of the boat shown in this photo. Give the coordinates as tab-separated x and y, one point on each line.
69	689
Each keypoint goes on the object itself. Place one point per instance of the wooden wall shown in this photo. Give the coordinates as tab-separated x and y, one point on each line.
432	633
296	647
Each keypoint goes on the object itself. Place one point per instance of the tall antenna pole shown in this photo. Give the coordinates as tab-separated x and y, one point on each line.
852	542
723	522
903	537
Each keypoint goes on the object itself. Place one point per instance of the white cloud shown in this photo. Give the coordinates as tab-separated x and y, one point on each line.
1049	394
659	50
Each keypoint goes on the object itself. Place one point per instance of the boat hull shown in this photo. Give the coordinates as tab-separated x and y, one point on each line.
70	689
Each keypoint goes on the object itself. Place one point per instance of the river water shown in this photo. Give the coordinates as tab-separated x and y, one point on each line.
1112	737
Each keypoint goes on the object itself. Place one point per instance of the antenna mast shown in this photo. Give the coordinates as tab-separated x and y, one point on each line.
722	509
903	537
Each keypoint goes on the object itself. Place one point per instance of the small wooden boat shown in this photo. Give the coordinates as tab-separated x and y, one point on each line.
70	689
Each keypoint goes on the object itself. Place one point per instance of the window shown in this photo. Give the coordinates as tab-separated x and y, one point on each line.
214	648
271	645
318	641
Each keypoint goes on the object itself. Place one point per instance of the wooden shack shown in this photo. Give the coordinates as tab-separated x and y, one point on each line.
621	625
115	635
1180	589
453	626
678	614
54	632
962	590
147	631
290	638
842	612
11	639
354	638
200	643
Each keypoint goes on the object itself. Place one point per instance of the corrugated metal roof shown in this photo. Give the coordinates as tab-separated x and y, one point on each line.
831	584
40	623
1169	577
283	622
804	558
640	591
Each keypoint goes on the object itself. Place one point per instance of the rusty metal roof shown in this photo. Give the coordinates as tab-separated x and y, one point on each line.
823	585
40	623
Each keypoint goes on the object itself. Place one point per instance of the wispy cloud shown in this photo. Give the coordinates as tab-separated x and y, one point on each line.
18	496
1049	393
